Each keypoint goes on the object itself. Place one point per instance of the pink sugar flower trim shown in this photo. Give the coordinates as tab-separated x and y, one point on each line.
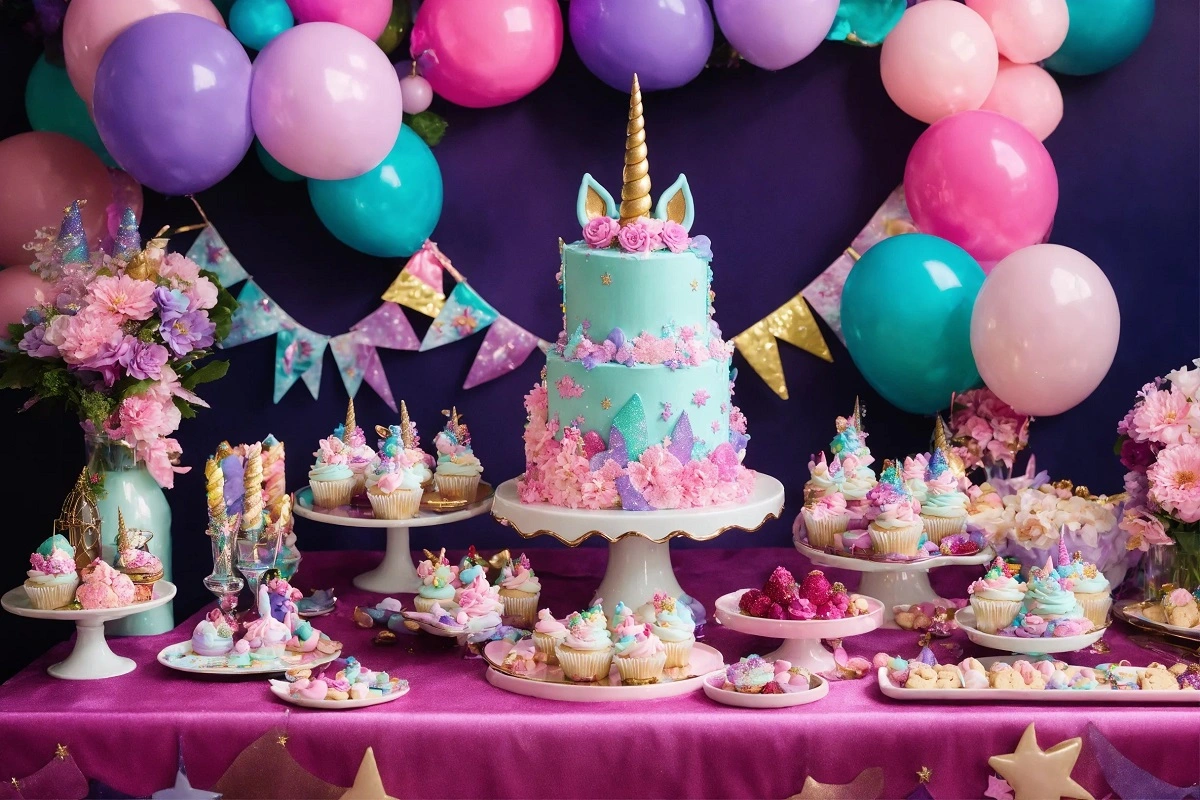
568	388
700	397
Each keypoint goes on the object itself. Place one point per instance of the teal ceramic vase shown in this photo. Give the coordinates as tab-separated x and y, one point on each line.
127	484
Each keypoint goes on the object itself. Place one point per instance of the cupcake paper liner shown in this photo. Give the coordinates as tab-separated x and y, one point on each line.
520	608
424	604
1095	606
457	487
821	532
331	494
546	644
400	504
640	671
992	615
901	541
584	666
52	595
938	528
679	654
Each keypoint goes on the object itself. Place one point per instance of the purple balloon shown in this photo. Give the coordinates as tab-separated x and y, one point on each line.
666	44
172	102
774	34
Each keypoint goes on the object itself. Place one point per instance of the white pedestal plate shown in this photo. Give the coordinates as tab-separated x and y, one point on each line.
396	573
639	558
893	583
91	658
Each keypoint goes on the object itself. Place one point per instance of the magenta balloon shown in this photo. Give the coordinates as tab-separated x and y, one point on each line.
325	101
1044	329
774	34
194	70
982	181
487	52
91	25
368	17
17	288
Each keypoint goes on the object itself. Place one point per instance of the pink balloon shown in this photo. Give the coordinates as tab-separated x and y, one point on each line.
17	288
488	52
982	181
939	59
91	25
1044	329
1029	95
43	172
1026	30
368	17
325	101
417	93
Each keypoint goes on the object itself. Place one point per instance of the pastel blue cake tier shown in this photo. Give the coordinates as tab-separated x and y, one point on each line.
656	384
636	292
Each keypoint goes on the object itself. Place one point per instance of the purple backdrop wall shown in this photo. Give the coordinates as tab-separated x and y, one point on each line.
785	168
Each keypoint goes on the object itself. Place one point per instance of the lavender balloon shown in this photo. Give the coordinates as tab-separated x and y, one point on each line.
172	102
666	44
774	34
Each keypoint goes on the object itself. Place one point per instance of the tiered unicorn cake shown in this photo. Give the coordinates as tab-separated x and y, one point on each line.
634	409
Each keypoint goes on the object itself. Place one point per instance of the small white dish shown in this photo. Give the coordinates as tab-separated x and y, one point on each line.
281	690
1134	611
745	700
180	657
965	617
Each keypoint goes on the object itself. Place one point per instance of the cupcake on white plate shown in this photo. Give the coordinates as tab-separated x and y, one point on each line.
519	589
331	478
439	582
944	509
548	633
586	653
825	518
996	598
821	479
359	455
895	522
1092	590
850	446
52	578
458	470
913	474
674	625
639	654
395	491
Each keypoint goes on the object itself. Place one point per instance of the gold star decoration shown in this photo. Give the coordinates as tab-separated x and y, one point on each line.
281	740
695	286
606	404
606	279
61	752
924	774
1034	773
368	785
563	306
16	784
867	786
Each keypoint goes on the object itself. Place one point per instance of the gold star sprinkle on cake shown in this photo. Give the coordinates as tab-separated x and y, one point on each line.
606	279
606	404
695	286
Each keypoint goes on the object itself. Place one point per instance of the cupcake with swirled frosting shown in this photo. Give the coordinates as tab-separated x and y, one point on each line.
458	469
548	632
520	590
822	479
825	518
944	509
913	474
1050	597
640	655
395	488
330	477
52	578
895	521
586	653
996	598
674	625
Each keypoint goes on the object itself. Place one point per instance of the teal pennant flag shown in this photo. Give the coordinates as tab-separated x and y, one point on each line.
257	317
298	354
465	313
211	253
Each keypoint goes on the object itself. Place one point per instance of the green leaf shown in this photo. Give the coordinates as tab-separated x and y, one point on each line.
428	125
55	382
96	407
22	372
128	387
185	408
1120	442
212	371
16	331
222	313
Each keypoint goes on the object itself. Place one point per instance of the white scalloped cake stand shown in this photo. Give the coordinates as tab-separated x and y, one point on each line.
396	573
639	558
801	638
894	583
91	658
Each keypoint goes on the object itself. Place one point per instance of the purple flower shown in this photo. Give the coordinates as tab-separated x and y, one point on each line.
143	360
106	359
186	332
701	246
34	343
170	301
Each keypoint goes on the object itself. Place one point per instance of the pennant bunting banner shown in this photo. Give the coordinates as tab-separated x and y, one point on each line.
352	354
505	348
793	322
465	313
298	354
419	284
211	253
257	317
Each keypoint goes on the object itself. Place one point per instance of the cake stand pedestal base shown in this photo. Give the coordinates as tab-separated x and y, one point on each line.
637	568
807	653
396	573
897	589
91	658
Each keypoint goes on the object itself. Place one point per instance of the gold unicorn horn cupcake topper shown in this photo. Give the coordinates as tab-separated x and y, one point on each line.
406	435
351	422
635	191
858	415
122	533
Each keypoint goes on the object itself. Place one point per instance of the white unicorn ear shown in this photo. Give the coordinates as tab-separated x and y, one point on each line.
675	204
593	201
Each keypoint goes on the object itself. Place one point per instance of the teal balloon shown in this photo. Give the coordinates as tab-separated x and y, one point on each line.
1101	34
276	170
391	210
256	22
52	105
906	316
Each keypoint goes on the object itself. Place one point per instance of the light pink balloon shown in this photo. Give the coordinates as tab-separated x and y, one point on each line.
982	181
91	25
368	17
325	101
1029	95
1026	30
939	59
42	173
417	92
488	52
17	288
1044	329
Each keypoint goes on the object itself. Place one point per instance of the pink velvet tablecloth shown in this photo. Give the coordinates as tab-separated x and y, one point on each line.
454	735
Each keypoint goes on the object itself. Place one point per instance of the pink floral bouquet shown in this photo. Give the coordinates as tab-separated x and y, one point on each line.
1159	443
987	431
118	337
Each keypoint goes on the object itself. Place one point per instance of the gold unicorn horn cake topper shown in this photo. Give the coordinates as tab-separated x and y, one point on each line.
122	533
858	415
351	422
635	191
406	436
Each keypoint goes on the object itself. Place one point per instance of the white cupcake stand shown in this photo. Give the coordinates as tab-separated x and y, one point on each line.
396	574
91	658
639	557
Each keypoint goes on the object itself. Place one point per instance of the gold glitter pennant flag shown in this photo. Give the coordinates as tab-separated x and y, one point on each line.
409	290
760	349
795	324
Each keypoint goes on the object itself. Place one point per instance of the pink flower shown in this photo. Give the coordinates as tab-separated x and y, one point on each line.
179	267
698	482
599	492
201	295
1165	416
654	228
1187	381
85	334
568	388
1136	456
142	417
122	296
674	236
599	231
634	238
160	456
1175	481
1145	530
700	397
656	475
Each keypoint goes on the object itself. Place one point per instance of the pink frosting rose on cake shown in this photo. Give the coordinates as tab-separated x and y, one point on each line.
674	236
599	231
